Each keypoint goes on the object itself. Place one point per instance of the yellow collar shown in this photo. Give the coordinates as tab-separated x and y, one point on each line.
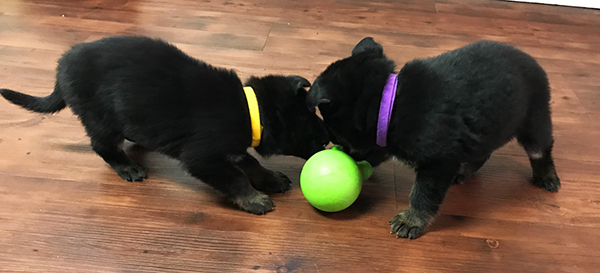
254	115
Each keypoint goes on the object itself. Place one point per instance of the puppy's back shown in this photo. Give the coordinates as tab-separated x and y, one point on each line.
483	89
147	87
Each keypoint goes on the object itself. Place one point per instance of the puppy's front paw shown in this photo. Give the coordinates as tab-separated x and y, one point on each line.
549	182
274	182
132	172
258	203
409	224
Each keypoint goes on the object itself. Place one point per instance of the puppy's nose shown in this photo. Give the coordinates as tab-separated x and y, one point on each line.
324	141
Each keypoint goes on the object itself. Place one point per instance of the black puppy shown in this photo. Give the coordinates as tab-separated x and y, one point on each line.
153	94
449	114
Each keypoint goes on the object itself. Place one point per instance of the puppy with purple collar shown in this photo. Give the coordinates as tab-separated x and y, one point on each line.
443	115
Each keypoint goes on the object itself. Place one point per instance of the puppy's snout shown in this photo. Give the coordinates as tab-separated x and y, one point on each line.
324	142
324	138
317	145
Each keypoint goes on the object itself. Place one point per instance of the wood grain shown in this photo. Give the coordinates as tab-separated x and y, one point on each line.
62	209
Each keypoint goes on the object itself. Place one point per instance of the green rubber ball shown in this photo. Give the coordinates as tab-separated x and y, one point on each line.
331	180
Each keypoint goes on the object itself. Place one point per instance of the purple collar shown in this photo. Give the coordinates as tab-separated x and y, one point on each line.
385	109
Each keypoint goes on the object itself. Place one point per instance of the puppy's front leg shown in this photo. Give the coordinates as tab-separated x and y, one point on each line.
432	183
262	178
224	175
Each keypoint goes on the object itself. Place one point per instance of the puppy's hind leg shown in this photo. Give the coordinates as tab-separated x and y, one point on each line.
535	135
223	174
432	183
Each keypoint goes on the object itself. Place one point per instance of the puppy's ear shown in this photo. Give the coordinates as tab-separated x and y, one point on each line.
368	45
299	83
316	96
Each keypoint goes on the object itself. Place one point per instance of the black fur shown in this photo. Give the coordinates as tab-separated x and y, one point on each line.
153	94
451	112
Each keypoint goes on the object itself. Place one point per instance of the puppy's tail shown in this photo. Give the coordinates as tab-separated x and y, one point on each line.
50	104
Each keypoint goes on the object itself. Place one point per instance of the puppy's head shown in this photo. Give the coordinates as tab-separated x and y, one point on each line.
290	126
348	93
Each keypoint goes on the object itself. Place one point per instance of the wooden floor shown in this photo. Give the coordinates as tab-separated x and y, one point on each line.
62	209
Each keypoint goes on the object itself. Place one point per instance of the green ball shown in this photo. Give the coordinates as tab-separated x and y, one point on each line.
331	180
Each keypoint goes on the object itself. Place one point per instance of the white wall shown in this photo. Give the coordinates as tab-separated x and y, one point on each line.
574	3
